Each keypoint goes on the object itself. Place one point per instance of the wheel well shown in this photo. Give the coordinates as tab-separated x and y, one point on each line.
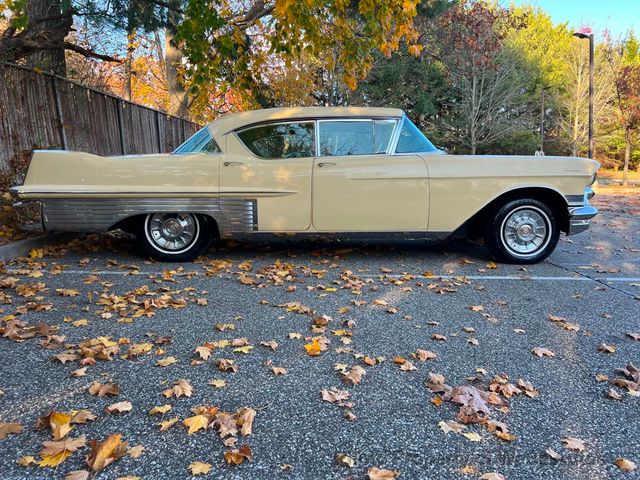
472	228
131	224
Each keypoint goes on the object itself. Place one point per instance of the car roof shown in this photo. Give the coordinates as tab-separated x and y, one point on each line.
234	121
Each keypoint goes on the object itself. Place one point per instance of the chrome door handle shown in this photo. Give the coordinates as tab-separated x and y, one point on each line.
226	164
325	164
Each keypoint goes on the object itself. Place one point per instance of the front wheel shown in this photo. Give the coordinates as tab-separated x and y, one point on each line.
521	231
173	237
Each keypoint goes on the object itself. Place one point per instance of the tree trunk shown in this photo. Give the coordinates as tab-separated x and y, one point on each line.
178	97
128	66
48	32
627	155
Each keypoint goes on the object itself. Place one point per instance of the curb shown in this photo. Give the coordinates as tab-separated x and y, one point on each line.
23	247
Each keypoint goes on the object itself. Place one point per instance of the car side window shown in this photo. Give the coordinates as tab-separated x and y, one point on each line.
282	140
382	133
342	137
412	140
200	142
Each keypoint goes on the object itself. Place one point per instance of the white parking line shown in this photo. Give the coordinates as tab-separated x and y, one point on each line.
523	278
394	276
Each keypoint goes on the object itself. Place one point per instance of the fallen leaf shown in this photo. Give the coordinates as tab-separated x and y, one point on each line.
119	407
313	348
9	427
238	455
245	420
553	454
199	468
270	344
54	453
473	436
624	464
160	410
181	388
492	476
77	475
26	461
279	370
603	347
167	424
346	461
203	352
106	452
543	352
135	452
218	383
572	443
165	362
376	473
196	423
100	389
451	426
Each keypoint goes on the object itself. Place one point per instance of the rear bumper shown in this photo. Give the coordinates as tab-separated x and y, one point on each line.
29	214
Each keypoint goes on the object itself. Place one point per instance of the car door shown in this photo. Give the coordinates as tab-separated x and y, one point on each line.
272	163
358	186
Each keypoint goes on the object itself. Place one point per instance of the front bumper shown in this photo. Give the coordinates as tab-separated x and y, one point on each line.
580	216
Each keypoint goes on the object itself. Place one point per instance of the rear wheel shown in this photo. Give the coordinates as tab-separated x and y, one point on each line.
174	237
521	231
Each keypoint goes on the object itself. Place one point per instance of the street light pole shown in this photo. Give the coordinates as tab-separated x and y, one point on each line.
591	75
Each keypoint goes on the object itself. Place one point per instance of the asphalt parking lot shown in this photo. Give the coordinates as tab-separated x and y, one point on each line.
368	304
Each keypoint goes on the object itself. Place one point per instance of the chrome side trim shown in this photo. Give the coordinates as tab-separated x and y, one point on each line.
232	214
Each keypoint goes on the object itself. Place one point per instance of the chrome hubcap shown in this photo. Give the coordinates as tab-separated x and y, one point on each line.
172	231
525	231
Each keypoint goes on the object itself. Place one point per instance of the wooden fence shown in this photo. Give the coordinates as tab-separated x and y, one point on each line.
41	110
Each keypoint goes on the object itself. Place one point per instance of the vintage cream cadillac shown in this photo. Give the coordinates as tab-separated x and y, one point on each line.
311	170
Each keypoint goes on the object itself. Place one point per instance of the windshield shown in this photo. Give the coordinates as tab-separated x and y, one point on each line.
201	141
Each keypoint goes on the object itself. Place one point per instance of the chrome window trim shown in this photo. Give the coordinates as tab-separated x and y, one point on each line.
396	137
316	121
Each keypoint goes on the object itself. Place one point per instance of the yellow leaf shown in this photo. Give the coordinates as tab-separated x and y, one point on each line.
218	383
165	362
473	436
245	349
60	424
167	424
160	410
196	423
106	452
313	348
199	468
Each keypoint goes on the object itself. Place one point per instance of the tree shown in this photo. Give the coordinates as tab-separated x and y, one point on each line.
37	32
486	78
572	96
624	62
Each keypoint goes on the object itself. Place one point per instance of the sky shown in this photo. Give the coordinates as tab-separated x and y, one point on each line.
617	16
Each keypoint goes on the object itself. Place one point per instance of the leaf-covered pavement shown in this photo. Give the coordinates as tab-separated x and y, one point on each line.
325	360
